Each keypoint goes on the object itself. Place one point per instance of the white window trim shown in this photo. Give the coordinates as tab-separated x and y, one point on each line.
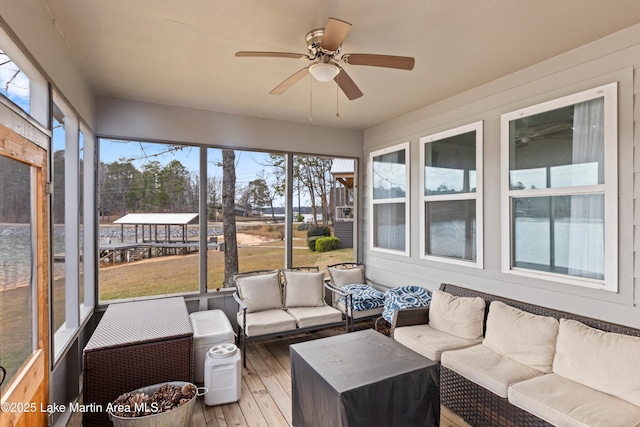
406	200
63	335
476	127
89	199
609	188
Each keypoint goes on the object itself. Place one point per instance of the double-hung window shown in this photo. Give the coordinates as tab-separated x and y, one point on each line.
389	194
451	183
559	199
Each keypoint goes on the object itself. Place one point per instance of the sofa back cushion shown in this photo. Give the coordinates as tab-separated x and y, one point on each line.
260	291
524	337
303	289
462	317
604	361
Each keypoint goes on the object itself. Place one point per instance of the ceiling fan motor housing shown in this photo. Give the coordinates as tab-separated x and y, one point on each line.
314	39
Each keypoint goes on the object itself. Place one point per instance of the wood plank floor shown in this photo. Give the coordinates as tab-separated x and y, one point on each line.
266	386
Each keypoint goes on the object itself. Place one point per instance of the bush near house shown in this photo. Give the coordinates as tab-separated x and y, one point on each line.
325	244
311	242
320	230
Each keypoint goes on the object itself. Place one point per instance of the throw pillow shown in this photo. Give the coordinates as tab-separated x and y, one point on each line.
260	291
303	289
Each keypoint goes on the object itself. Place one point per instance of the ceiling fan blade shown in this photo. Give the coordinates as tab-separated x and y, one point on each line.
334	34
272	55
347	85
552	129
388	61
289	81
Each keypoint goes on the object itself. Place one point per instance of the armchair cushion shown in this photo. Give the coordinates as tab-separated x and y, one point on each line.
364	297
404	297
459	316
303	289
604	361
521	336
260	291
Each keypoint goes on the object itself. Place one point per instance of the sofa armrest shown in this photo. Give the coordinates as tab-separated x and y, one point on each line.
410	317
243	307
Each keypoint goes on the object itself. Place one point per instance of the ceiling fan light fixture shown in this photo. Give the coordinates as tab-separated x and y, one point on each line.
324	71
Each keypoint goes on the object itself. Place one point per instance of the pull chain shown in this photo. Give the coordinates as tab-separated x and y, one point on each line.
337	106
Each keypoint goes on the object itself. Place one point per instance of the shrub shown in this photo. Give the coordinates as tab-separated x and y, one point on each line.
299	218
311	242
303	227
320	230
325	244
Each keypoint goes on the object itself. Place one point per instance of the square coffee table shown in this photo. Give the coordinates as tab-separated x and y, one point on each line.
362	379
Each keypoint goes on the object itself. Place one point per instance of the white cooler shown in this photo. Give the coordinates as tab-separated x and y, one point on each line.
210	327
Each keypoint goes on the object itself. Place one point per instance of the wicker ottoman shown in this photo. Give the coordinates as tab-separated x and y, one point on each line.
136	344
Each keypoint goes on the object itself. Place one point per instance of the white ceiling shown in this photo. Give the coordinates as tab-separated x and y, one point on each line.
181	52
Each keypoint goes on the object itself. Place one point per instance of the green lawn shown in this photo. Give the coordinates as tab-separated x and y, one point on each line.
175	274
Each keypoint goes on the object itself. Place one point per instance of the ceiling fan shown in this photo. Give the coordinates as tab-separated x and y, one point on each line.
527	134
324	45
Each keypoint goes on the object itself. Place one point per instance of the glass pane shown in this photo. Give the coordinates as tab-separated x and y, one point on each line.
390	175
58	209
558	148
16	258
323	193
389	226
451	229
154	252
560	234
14	83
81	217
450	165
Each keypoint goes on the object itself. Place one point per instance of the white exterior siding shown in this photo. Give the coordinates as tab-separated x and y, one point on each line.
615	58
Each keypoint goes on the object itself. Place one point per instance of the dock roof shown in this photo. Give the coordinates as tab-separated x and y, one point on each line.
158	219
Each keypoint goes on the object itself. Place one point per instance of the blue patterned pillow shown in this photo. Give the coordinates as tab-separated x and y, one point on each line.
404	297
364	297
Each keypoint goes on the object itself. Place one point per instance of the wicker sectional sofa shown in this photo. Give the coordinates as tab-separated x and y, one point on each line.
532	366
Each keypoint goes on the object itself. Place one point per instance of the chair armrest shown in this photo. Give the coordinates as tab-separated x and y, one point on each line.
410	317
241	303
336	290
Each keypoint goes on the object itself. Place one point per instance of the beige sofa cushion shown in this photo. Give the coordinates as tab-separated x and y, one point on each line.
604	361
346	276
303	289
314	316
487	368
430	342
563	402
521	336
459	316
267	322
261	291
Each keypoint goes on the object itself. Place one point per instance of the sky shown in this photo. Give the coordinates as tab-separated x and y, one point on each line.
248	164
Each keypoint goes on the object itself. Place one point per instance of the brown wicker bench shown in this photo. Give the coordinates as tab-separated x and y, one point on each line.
473	403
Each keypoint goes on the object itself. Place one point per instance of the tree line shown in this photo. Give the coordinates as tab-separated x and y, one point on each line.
124	188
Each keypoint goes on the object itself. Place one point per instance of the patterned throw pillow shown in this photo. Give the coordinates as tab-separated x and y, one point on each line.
364	297
404	297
